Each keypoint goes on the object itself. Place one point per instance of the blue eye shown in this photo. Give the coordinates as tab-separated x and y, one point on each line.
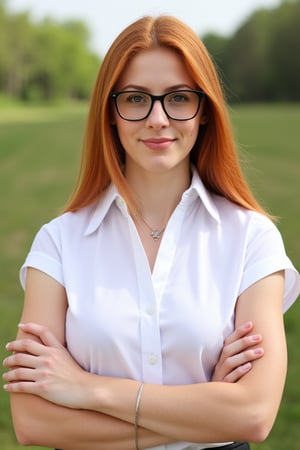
178	98
137	99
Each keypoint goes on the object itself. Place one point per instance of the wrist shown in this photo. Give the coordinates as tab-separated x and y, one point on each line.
114	396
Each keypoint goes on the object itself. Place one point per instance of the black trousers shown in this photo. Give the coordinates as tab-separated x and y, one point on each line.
234	446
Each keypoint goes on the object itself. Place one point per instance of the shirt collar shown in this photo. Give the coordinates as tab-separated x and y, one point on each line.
99	212
197	188
111	195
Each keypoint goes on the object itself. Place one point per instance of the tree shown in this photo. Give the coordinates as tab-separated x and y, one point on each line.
45	60
284	52
15	39
217	46
247	64
260	62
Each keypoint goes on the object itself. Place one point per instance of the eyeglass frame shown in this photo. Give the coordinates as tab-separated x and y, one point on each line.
114	95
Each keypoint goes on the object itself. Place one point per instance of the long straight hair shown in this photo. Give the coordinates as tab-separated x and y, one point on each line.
214	154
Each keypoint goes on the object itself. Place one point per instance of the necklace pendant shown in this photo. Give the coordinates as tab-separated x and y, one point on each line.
155	234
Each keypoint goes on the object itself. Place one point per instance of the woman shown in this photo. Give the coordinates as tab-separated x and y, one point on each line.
161	254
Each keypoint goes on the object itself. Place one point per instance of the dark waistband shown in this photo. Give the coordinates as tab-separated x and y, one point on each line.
233	446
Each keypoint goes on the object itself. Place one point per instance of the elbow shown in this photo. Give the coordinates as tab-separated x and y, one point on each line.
24	430
258	426
25	417
258	434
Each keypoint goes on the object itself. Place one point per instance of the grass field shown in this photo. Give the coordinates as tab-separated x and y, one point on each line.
39	153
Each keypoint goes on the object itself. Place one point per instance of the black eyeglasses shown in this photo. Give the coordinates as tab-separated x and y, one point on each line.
183	104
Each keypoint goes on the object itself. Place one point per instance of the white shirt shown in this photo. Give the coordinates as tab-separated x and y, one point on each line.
168	326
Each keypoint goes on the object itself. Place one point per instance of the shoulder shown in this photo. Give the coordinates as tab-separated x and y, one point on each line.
239	218
71	222
249	230
63	229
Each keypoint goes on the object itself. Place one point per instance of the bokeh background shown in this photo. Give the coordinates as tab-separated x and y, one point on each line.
48	65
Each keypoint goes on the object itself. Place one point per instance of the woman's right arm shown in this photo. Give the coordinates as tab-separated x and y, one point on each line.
42	423
39	422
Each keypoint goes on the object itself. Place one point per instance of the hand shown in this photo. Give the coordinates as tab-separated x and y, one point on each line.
44	368
239	350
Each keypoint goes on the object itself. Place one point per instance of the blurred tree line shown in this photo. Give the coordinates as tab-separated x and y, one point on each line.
48	60
44	60
261	60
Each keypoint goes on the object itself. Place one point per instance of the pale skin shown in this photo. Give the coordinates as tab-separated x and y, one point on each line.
70	408
49	424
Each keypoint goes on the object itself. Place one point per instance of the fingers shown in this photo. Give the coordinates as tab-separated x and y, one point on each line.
22	364
20	360
19	375
238	373
27	352
22	373
26	346
23	386
238	365
240	332
42	332
240	345
239	351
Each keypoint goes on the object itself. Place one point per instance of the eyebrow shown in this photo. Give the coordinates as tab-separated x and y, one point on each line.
136	87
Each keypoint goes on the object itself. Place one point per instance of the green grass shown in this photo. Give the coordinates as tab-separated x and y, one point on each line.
39	153
269	137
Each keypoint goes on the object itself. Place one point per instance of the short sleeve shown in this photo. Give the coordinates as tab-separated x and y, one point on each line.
265	255
45	254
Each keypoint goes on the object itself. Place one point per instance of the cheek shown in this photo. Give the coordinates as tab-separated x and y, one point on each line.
127	132
121	130
191	132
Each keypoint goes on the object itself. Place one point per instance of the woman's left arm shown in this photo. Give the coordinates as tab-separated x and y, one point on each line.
215	412
206	412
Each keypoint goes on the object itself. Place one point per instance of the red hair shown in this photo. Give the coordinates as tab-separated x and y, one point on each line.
214	154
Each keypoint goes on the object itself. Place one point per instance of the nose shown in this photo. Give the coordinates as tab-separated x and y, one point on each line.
157	117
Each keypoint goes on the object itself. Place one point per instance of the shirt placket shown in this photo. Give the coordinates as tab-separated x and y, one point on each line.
149	332
150	293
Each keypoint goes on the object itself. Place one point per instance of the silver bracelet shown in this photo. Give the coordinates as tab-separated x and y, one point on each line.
136	416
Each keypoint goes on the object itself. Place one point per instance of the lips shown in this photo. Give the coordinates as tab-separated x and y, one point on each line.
158	143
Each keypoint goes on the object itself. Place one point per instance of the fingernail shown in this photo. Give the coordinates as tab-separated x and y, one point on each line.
20	325
258	351
246	366
247	325
256	337
7	345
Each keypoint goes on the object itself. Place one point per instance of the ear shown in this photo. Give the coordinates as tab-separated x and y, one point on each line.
203	119
112	115
112	119
203	115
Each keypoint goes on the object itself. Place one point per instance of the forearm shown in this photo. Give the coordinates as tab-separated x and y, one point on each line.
207	412
211	412
50	425
217	411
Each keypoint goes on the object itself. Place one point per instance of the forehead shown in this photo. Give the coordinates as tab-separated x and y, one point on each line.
156	69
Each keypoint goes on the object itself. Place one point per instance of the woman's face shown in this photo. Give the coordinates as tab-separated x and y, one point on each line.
156	143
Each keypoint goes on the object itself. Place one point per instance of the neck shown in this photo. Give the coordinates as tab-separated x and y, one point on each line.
158	194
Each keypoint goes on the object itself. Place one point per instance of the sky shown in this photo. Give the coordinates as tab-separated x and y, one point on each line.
107	18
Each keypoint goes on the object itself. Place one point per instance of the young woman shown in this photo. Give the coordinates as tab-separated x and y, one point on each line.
161	256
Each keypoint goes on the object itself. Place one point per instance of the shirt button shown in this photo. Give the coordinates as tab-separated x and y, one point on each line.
152	360
150	310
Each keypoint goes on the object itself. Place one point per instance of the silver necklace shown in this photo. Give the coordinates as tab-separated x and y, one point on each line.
155	233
